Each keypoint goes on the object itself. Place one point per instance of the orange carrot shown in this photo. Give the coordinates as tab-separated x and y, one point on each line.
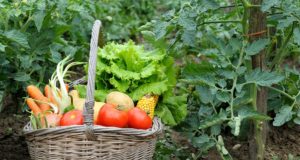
36	94
49	95
33	106
67	87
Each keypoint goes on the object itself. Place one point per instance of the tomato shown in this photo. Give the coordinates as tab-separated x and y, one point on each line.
73	117
109	115
139	119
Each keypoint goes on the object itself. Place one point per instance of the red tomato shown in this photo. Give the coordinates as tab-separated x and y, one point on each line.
139	119
109	115
73	117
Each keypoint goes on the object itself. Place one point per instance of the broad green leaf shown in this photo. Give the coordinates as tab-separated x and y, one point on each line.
178	106
154	87
215	130
249	113
213	120
160	30
222	83
263	78
267	4
148	35
166	115
256	46
38	18
208	5
200	140
148	70
297	120
123	73
188	37
241	70
284	23
21	76
284	115
204	94
223	96
17	36
120	85
205	111
297	35
99	94
202	73
26	61
186	21
2	47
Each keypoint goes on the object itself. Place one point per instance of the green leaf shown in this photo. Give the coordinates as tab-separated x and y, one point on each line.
297	35
215	130
188	37
200	140
148	70
204	94
38	18
2	47
177	105
154	87
160	30
214	120
263	78
249	113
256	46
202	73
99	94
120	85
223	96
166	115
241	70
297	120
123	73
284	115
21	76
267	4
17	36
186	21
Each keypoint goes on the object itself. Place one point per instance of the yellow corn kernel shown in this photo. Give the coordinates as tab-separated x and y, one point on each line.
148	103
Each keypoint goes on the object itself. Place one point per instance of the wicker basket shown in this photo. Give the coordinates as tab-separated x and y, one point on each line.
88	141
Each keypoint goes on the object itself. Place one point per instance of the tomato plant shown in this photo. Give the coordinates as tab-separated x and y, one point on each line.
217	50
109	115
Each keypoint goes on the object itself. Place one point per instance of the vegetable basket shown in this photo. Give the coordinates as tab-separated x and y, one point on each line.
90	141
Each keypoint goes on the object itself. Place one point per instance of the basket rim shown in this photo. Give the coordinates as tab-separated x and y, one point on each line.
156	129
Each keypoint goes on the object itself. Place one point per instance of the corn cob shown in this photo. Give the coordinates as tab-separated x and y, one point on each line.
148	103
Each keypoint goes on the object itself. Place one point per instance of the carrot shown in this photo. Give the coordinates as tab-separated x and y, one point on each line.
36	94
33	106
67	87
49	95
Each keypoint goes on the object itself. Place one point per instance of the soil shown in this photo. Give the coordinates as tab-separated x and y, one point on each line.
12	142
281	141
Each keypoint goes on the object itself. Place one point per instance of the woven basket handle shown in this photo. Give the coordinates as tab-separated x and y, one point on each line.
88	111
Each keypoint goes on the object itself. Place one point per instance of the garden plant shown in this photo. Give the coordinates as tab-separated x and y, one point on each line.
220	72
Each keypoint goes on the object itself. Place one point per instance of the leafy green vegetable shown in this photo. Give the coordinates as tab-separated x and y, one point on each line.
131	69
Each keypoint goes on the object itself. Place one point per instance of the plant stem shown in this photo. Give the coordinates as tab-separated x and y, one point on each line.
281	92
221	21
280	54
